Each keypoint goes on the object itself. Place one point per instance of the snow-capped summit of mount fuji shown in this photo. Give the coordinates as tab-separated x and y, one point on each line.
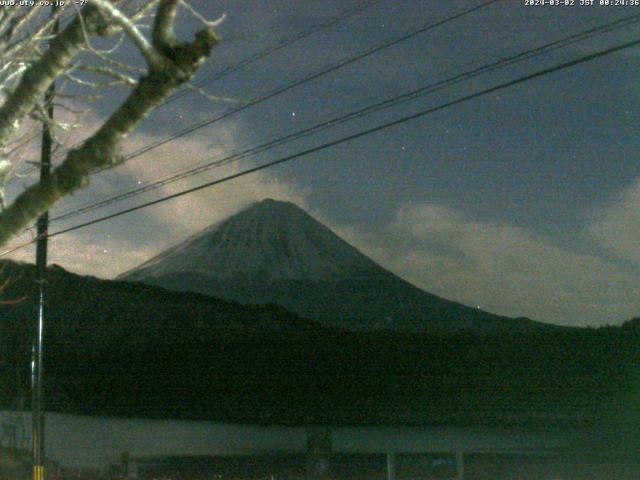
271	240
275	252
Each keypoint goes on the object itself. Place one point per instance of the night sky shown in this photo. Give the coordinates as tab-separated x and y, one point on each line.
524	202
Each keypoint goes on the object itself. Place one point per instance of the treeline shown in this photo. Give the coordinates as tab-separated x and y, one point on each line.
126	349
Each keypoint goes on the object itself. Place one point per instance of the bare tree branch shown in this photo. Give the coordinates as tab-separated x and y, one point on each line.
205	22
41	74
171	65
163	36
3	286
120	77
153	58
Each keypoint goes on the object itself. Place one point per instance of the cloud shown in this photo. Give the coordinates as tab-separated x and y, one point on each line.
502	268
112	247
617	226
88	254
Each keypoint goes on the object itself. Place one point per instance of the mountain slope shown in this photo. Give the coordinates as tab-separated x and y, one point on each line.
122	348
271	240
275	252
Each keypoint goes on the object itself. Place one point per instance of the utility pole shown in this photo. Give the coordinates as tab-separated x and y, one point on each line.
42	225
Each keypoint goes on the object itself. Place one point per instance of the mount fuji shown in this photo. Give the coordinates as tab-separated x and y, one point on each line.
275	252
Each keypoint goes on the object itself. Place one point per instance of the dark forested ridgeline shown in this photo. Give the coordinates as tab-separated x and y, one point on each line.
120	348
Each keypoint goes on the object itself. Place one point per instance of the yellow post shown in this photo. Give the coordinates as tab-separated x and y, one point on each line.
38	472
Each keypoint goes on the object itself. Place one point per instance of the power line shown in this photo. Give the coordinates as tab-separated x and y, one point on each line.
394	101
423	113
344	15
313	76
331	68
20	246
359	8
349	60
